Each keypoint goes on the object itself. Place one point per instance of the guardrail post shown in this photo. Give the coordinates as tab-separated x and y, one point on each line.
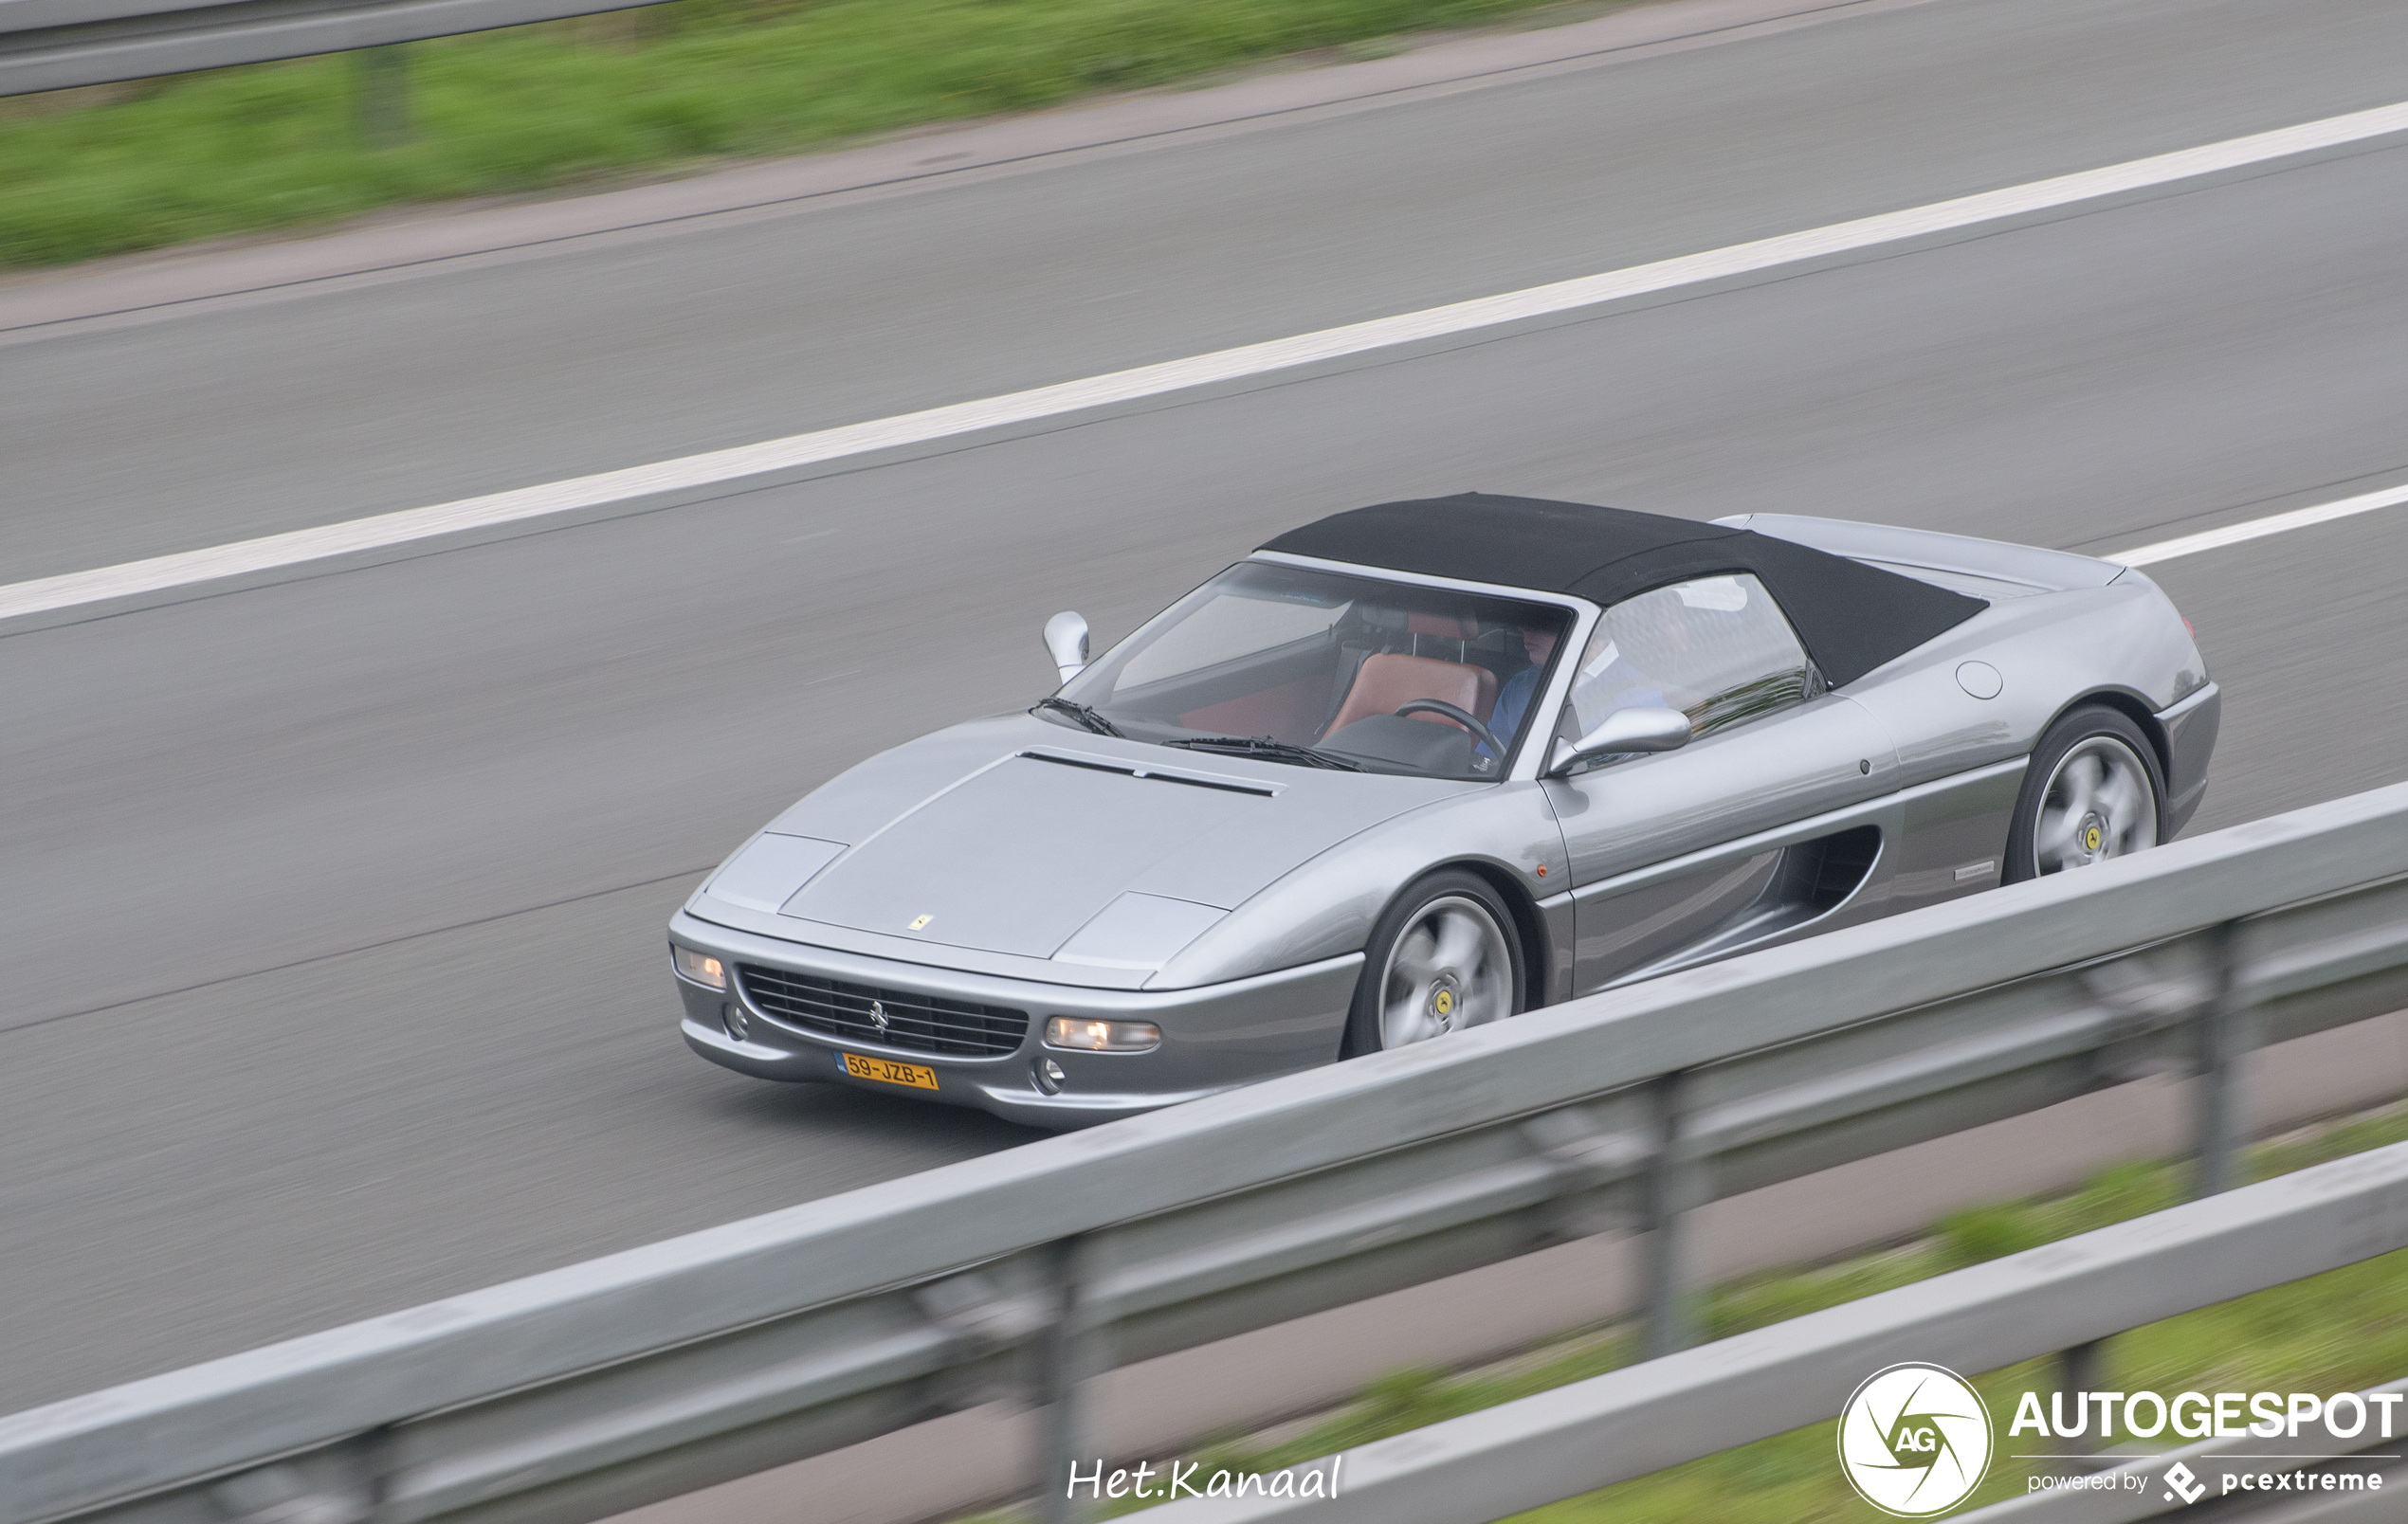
2078	1371
2221	1042
384	95
1671	1190
1067	1354
343	1483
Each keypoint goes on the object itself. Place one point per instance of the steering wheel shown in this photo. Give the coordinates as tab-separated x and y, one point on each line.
1435	706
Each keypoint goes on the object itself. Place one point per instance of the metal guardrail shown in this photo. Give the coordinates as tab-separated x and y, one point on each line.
578	1393
56	45
1628	1423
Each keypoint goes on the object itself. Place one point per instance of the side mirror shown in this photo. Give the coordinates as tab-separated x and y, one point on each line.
1625	730
1066	641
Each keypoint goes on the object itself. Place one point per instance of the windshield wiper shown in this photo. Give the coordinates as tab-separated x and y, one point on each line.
1080	713
1268	750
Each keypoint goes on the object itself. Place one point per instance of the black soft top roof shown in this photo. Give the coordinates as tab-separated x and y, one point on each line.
1851	616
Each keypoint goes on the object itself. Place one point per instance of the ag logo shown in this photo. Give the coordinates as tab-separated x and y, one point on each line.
1914	1440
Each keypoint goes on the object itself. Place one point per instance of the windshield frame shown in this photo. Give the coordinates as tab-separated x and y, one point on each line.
1526	759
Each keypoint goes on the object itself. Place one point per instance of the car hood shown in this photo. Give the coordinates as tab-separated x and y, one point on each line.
1013	836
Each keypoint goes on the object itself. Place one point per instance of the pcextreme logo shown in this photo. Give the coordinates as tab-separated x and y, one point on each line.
1914	1440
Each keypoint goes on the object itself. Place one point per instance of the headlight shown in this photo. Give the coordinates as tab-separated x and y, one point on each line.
701	966
1102	1037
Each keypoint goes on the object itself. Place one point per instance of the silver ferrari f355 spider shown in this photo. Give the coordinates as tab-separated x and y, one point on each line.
1425	765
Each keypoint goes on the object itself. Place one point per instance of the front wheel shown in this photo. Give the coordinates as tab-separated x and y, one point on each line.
1441	958
2093	792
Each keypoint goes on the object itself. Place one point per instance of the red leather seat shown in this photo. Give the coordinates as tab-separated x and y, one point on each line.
1388	681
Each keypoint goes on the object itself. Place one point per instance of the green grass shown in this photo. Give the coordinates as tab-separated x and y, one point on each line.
2337	1332
672	87
2341	1331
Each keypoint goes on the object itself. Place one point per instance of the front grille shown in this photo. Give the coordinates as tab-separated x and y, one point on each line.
927	1024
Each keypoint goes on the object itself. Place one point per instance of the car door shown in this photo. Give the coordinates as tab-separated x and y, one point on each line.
1662	870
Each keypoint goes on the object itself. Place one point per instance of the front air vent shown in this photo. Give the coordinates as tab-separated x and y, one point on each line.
1155	774
890	1018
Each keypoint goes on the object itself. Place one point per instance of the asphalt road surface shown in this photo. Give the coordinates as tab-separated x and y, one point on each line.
334	970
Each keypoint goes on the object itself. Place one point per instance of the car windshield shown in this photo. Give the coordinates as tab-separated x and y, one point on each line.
1323	669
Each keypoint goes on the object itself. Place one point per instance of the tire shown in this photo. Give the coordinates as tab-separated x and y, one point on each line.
1443	956
2094	790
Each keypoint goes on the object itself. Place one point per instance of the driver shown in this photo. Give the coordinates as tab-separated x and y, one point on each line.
1607	683
1607	680
1513	699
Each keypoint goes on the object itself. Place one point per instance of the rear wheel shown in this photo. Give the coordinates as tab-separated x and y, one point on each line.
1443	957
2093	792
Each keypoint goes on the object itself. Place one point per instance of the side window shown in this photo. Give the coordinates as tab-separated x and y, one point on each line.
1717	648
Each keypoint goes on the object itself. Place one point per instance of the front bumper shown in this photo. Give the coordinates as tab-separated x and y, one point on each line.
1213	1038
2190	730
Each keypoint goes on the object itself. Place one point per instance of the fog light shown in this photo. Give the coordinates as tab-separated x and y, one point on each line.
732	1017
1050	1076
1102	1037
700	966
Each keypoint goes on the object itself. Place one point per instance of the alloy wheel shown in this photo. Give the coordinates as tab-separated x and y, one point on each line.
1450	968
2098	805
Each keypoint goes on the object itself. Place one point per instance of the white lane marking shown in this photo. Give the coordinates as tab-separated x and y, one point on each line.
690	472
2212	539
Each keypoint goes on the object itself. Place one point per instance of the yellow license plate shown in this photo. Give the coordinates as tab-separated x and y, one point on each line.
886	1071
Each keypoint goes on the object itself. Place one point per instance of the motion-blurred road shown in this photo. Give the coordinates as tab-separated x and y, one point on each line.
334	969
